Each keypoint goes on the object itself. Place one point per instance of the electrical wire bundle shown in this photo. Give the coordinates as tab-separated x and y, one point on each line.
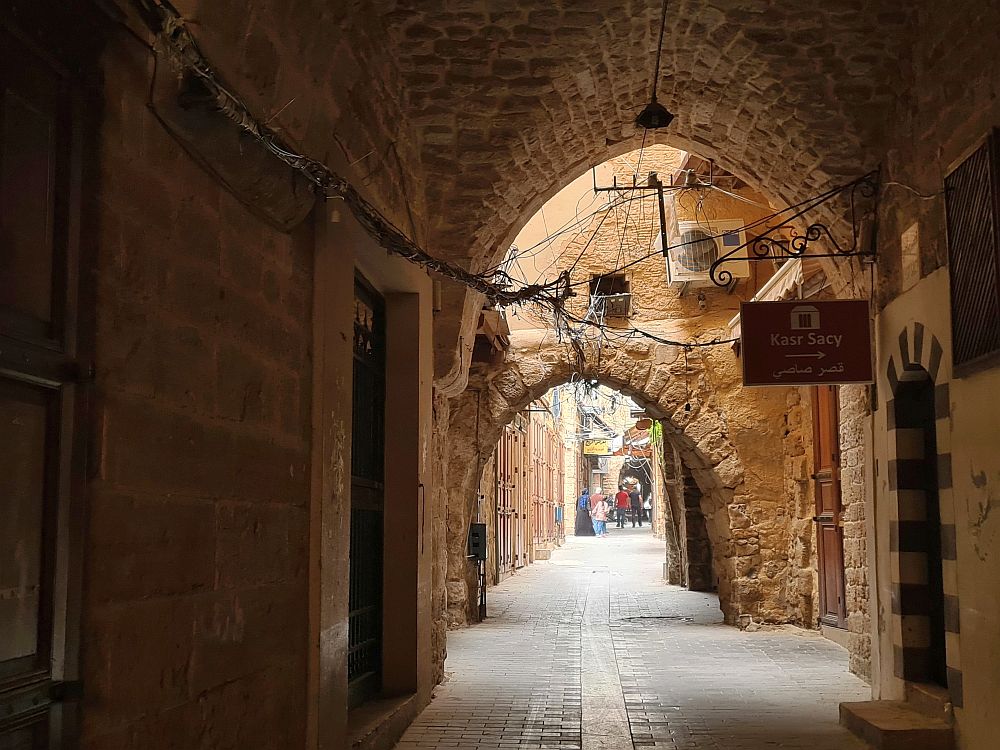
498	283
183	50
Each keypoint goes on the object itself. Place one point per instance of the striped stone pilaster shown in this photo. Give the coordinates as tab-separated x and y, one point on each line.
919	354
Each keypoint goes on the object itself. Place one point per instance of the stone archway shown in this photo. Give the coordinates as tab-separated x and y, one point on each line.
508	104
728	438
639	473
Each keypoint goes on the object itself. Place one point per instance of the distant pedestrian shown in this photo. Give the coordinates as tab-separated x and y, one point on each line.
635	500
583	526
599	512
621	507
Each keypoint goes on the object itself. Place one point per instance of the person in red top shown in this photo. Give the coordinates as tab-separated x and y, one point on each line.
621	506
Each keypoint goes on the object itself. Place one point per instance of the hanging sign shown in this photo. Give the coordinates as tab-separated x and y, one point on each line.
806	342
596	448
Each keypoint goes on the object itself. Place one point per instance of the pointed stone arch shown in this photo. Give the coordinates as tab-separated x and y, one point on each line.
728	439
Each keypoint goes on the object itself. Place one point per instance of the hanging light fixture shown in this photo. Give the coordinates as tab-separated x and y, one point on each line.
654	115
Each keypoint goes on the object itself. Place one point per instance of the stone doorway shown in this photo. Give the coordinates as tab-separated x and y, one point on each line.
829	526
364	655
916	536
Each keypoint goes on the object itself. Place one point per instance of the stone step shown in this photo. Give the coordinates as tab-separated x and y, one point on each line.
932	700
895	725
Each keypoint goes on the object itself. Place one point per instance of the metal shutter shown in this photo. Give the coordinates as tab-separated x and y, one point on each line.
971	201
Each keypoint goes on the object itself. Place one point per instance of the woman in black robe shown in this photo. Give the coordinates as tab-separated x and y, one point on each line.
584	526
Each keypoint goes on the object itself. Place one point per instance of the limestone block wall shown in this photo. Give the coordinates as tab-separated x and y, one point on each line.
486	513
670	504
442	479
803	585
661	520
197	542
697	571
856	483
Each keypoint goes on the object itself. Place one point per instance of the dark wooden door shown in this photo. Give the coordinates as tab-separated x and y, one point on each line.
41	403
829	528
365	618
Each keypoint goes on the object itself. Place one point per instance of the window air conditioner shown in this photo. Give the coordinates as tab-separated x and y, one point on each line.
700	244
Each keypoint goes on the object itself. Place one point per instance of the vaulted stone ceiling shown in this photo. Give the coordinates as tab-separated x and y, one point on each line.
511	98
461	117
508	100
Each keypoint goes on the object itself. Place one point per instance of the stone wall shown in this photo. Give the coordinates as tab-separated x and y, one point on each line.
661	519
440	504
696	545
670	503
196	602
465	458
855	417
803	585
486	513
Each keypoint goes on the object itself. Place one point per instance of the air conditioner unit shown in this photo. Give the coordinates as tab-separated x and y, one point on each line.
699	245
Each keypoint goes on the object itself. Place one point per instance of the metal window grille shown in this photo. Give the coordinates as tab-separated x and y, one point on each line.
972	201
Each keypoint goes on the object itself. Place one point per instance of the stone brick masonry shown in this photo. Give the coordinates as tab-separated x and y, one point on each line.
855	410
197	562
458	121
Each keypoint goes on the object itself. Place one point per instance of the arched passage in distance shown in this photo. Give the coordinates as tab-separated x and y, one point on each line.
727	440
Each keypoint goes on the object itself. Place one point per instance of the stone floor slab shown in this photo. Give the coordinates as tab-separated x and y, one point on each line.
590	650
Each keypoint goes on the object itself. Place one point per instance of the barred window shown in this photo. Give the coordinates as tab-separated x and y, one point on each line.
973	212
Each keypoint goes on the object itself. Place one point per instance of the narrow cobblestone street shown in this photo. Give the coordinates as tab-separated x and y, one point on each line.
592	650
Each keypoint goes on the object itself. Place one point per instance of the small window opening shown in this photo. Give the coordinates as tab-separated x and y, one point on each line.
610	296
606	286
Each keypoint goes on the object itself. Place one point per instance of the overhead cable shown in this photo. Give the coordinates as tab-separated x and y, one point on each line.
495	284
182	48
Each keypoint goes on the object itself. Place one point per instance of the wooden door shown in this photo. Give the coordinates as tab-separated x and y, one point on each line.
43	385
365	573
829	526
506	509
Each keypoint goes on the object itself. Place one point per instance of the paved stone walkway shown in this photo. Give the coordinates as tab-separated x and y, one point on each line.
592	650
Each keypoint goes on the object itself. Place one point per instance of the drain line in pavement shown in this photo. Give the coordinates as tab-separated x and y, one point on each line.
604	723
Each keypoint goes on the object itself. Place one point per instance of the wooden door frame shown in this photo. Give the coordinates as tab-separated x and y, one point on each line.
835	520
58	357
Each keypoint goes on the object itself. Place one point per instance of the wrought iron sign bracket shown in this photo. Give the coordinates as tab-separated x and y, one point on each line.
862	195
